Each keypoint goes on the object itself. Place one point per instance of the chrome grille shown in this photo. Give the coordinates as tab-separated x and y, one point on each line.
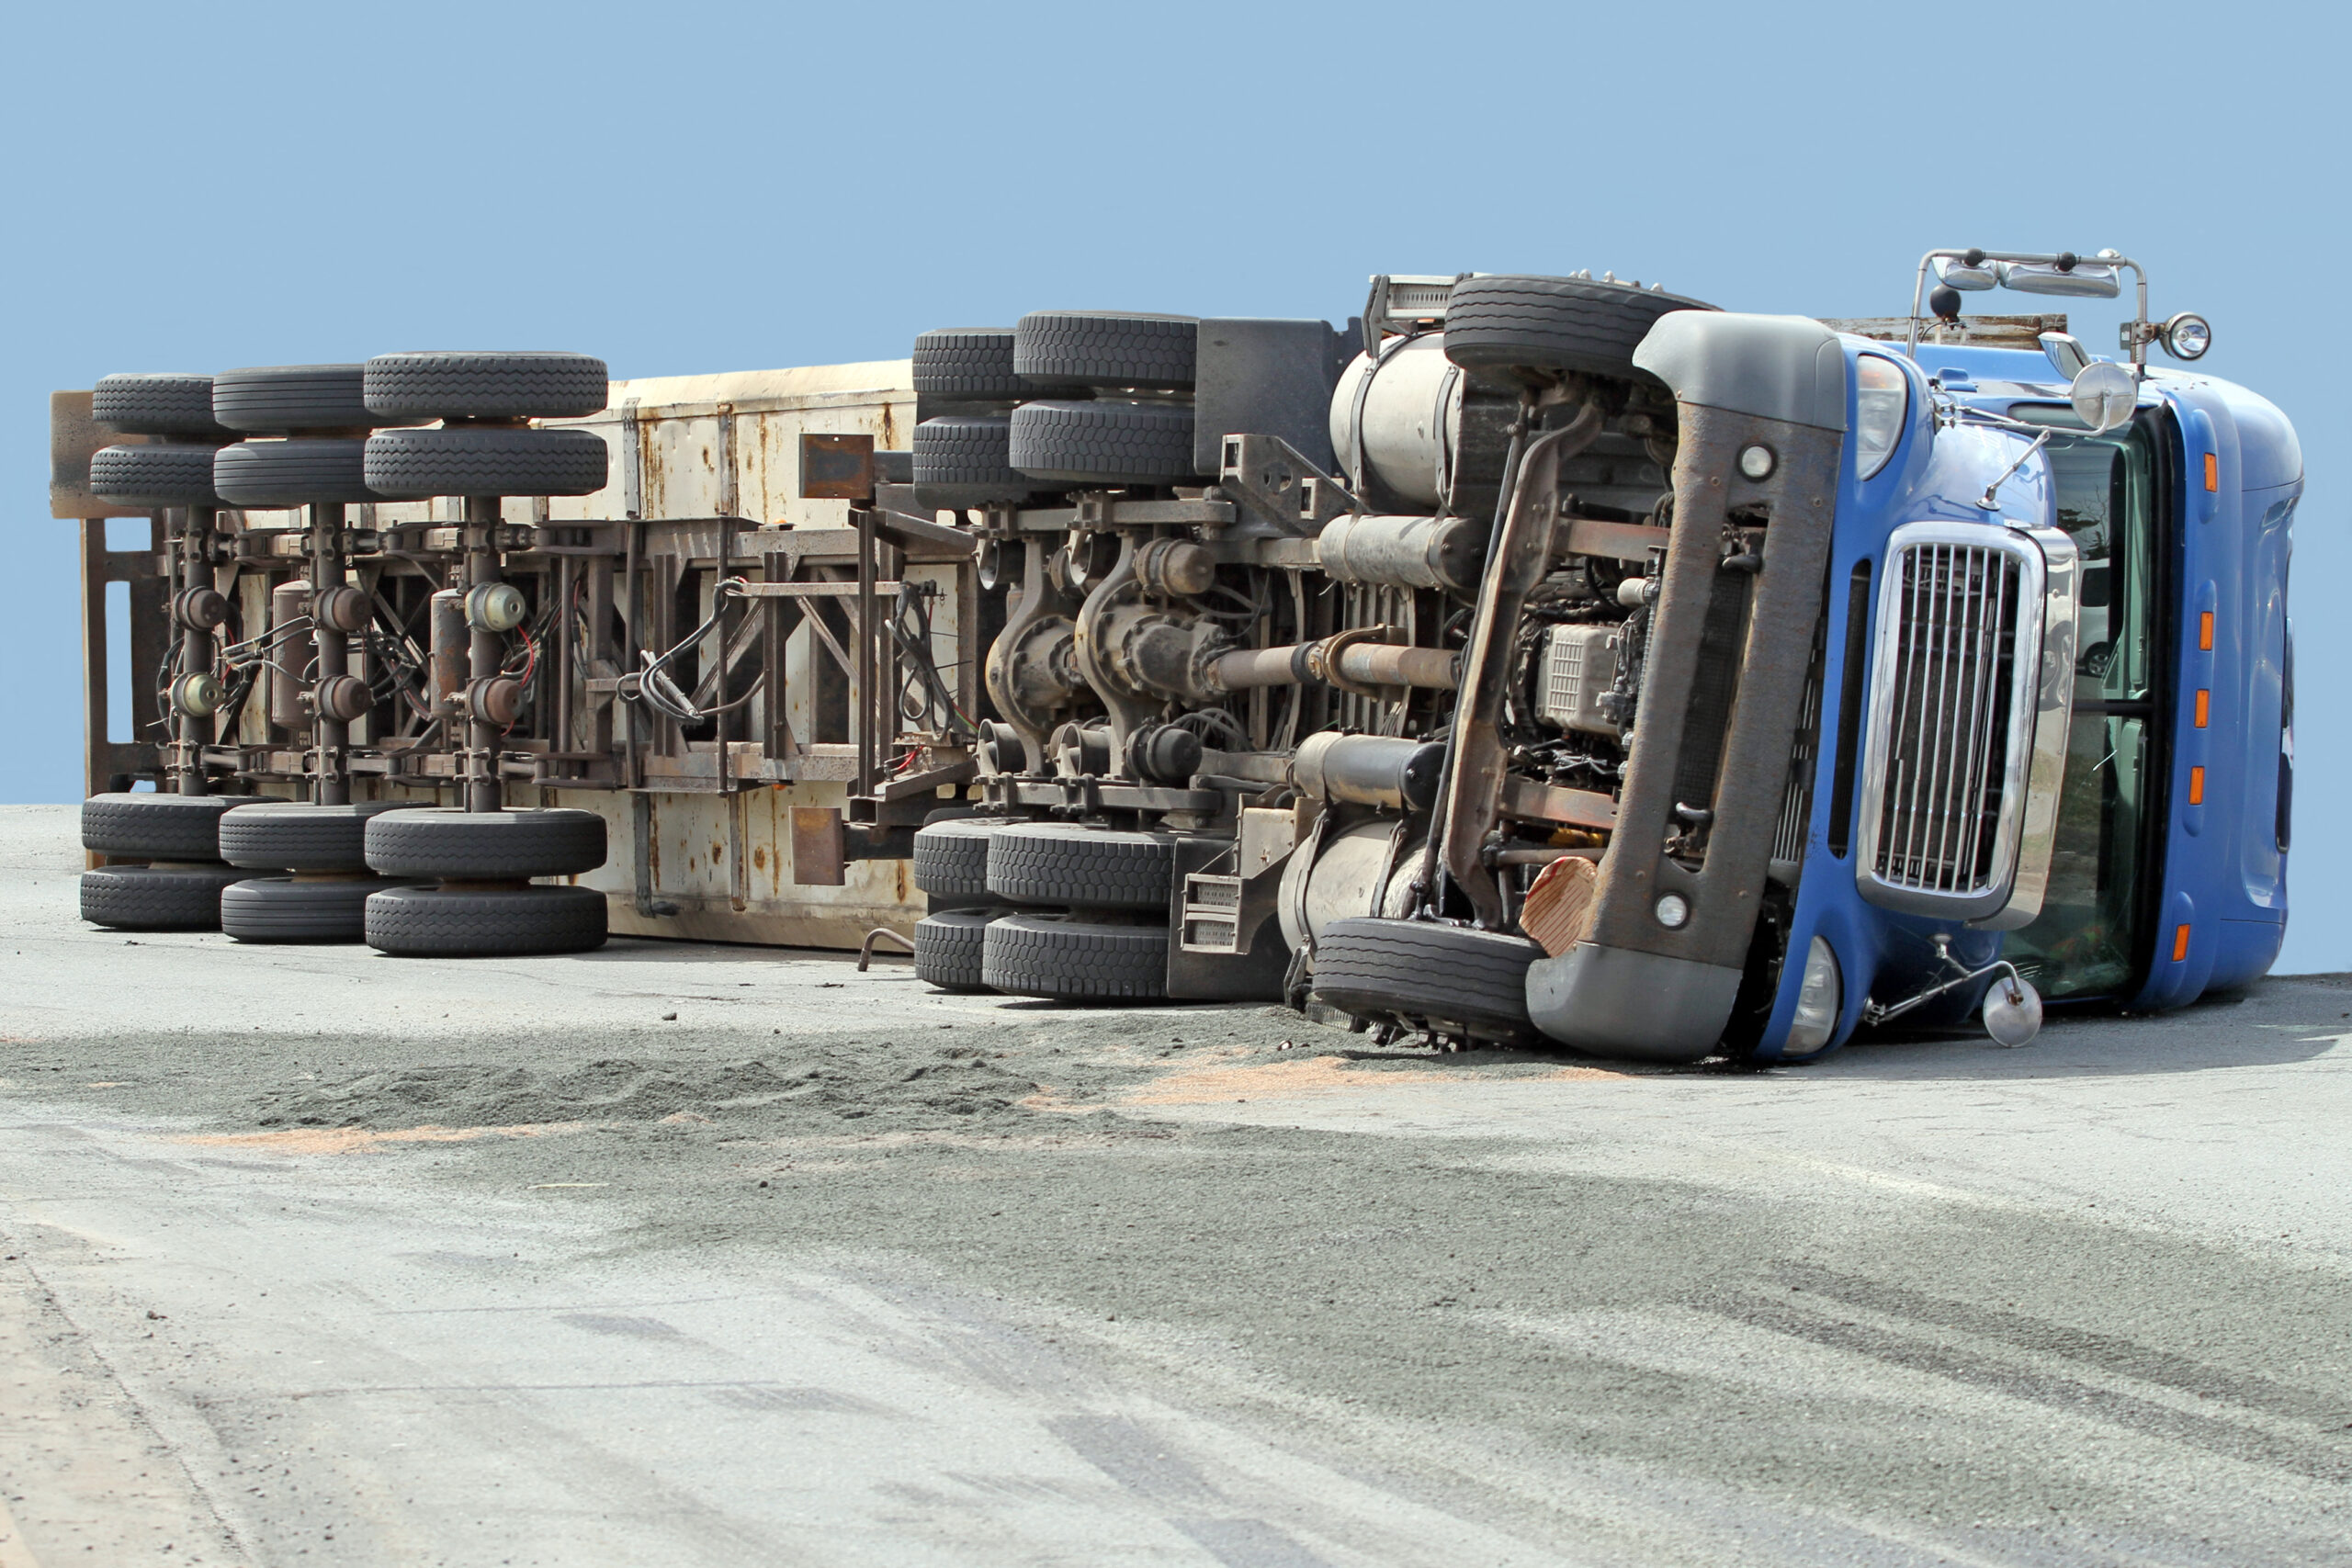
1945	690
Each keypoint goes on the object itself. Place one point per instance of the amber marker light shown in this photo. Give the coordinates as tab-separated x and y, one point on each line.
2195	786
2204	706
2212	470
2205	631
2180	945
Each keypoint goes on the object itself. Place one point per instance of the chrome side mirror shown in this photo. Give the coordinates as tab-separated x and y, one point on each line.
2104	394
2012	1012
2083	280
2067	353
1954	272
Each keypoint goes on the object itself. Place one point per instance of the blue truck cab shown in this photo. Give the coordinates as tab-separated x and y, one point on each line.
2052	687
1951	674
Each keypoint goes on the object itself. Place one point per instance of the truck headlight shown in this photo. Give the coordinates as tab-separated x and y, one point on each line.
2185	336
1819	999
1882	403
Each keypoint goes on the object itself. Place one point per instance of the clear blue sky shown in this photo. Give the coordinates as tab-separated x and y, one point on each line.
720	186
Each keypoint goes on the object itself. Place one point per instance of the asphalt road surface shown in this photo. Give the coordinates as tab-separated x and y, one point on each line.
681	1255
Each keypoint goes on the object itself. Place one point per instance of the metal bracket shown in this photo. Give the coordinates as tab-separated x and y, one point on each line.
1269	477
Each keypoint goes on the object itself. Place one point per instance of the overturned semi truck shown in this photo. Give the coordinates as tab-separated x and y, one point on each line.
1537	659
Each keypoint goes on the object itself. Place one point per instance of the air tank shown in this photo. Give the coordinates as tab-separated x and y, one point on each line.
1401	417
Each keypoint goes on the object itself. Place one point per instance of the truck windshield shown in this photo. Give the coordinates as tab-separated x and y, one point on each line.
2087	940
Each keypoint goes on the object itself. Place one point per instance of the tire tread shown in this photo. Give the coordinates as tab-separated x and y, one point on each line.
1507	322
1369	966
1102	442
435	923
1047	955
1063	867
485	385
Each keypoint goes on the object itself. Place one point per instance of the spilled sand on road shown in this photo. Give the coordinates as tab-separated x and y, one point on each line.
348	1140
1321	1075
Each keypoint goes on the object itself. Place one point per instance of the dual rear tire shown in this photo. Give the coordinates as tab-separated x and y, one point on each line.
180	835
174	467
485	923
490	460
486	905
1044	910
156	897
322	849
1067	399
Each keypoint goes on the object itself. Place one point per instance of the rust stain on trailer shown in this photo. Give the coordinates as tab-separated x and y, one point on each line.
816	848
653	474
783	516
74	437
836	467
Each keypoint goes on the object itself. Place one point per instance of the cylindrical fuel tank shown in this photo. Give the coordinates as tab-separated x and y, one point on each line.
1368	770
1366	870
1399	416
1401	552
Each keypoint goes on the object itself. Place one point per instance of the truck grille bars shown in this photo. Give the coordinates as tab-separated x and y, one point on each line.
1954	686
1796	800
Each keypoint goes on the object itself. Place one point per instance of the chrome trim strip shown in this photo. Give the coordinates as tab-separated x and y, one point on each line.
2054	716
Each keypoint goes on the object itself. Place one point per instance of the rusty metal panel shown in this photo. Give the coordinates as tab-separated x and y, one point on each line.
1530	801
106	762
1618	541
1981	332
683	444
73	437
836	468
817	857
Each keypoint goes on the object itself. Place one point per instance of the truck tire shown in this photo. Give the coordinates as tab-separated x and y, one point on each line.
1065	867
411	465
439	922
1450	978
1071	959
155	898
295	835
948	947
951	857
1103	443
1054	349
485	846
967	363
282	399
1553	323
154	476
158	405
158	827
305	471
967	460
485	385
281	908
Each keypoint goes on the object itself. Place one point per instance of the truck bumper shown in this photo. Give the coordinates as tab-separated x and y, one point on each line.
1728	657
1615	1001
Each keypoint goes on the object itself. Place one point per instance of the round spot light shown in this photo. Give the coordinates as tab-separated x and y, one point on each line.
1674	911
1756	462
2185	336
